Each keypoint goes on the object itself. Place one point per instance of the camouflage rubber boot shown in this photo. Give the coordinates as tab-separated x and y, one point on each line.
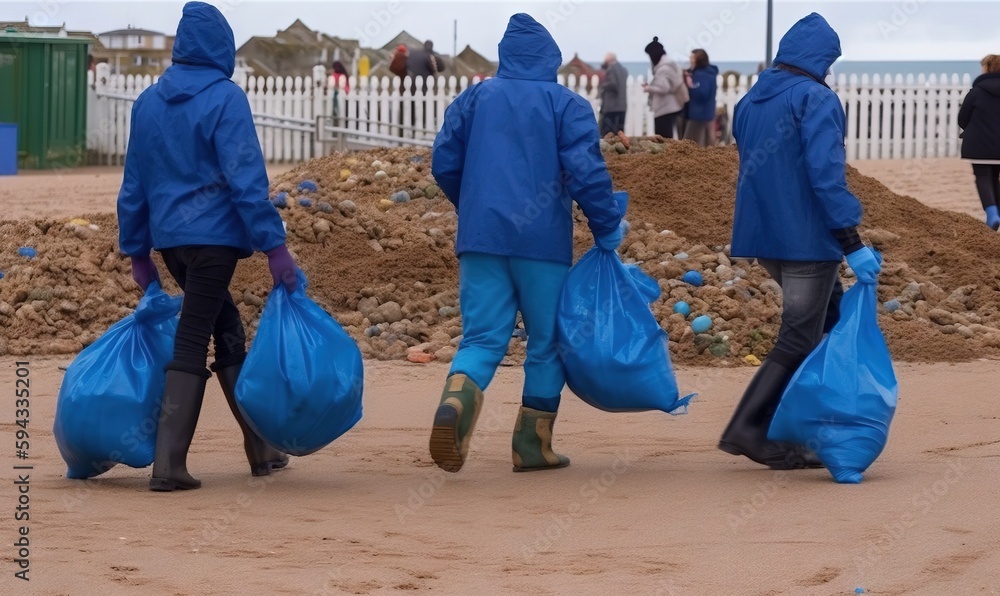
532	443
454	421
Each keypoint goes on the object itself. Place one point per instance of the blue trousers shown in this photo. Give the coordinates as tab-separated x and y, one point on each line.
492	289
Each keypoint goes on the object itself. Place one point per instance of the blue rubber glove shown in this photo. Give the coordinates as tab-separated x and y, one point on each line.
992	217
613	240
144	271
865	265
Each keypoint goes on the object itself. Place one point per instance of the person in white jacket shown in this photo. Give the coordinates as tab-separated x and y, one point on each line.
667	91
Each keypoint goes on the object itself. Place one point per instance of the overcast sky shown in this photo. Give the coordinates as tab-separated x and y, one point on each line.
727	29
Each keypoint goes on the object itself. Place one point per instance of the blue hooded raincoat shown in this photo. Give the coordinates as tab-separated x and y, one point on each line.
517	149
701	106
789	129
194	171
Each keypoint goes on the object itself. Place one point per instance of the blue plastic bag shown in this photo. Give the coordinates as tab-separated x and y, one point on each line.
841	400
301	384
615	352
109	402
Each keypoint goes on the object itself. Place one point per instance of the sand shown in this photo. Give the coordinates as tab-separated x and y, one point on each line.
648	506
403	303
943	183
68	192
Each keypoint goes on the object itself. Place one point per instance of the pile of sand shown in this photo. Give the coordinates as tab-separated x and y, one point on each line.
382	262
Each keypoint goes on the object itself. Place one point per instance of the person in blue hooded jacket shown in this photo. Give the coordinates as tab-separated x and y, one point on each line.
796	216
514	153
699	112
195	189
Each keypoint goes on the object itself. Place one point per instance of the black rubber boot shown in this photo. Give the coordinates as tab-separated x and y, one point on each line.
262	457
747	430
179	410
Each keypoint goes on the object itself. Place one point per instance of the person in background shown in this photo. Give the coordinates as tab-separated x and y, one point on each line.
700	109
667	91
338	73
514	153
614	98
338	81
398	64
979	117
202	203
425	63
796	216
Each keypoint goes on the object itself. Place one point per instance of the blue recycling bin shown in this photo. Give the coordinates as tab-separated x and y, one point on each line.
8	149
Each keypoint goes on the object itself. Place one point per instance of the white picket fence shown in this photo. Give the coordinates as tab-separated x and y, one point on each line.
889	117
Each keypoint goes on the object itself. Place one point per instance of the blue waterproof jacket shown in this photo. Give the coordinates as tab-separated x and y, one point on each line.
789	129
701	106
517	149
194	171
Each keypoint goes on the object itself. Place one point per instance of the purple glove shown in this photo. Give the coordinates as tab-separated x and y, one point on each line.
144	271
283	268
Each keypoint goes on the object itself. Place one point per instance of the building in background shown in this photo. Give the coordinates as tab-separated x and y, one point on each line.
296	50
127	51
134	51
579	68
473	64
60	31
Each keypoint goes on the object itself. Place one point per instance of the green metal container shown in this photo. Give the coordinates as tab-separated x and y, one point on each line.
43	88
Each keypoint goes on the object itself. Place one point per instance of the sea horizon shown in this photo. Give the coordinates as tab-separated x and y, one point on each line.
848	67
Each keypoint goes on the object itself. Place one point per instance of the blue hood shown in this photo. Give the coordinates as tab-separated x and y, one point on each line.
527	51
204	53
811	44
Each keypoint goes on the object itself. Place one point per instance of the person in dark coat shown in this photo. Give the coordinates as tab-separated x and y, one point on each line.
980	119
195	189
699	117
796	216
614	96
425	63
514	153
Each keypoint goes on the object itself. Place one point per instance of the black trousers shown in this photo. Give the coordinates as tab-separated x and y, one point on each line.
664	125
208	311
612	122
987	183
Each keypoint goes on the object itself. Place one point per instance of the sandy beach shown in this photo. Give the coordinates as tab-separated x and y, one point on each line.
648	506
943	183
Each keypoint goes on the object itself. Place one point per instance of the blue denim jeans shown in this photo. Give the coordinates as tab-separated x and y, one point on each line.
810	296
492	289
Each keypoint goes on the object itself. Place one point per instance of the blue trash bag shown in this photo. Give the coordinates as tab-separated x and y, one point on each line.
301	384
615	353
841	400
109	402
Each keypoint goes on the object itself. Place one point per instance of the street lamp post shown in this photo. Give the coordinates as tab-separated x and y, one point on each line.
770	22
